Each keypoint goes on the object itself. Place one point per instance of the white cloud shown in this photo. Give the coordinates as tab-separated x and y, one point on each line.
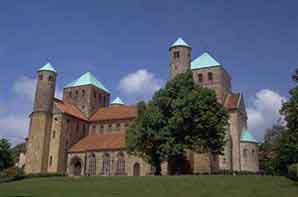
25	86
14	122
264	111
14	127
140	84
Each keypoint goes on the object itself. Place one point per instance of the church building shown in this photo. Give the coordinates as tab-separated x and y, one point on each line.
84	133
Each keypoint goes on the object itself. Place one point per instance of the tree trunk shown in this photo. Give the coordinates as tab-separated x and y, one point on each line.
157	166
210	157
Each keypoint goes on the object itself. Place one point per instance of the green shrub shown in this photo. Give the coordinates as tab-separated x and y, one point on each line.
293	172
34	175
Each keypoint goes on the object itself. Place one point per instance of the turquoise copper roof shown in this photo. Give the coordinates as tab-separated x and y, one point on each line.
246	136
180	42
47	67
204	61
117	101
87	79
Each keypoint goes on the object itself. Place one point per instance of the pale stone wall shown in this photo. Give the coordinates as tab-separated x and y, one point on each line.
181	64
220	83
201	163
37	149
55	144
249	157
87	98
109	126
235	129
22	161
130	161
225	160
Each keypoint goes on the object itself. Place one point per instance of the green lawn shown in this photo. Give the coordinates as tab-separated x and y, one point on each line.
180	186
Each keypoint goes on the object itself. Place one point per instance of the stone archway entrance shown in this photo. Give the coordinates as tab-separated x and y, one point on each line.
136	169
179	165
76	166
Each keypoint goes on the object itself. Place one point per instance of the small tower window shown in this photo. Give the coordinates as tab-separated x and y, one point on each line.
101	128
51	160
40	77
70	93
51	78
54	134
83	92
245	153
176	54
210	76
77	93
94	94
200	77
110	127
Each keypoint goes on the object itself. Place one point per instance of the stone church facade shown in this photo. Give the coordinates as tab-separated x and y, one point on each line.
84	134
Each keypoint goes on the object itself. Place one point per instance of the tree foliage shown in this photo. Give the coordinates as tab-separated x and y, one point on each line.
288	150
269	148
182	116
6	156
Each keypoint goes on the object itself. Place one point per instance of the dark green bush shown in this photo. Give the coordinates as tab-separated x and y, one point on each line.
293	172
33	175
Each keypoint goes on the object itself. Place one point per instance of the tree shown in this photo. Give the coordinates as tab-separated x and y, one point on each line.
182	116
288	150
269	148
6	156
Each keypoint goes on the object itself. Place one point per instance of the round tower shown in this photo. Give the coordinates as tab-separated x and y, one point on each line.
38	143
45	89
180	57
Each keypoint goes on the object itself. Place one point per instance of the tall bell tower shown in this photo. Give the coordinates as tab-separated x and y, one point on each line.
41	121
180	57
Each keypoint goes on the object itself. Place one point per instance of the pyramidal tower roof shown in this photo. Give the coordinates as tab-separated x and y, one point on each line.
180	42
246	136
87	79
47	67
204	61
117	101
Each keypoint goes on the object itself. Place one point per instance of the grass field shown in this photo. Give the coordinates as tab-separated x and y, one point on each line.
175	186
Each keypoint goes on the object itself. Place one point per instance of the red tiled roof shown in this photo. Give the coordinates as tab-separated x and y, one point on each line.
69	109
115	113
232	100
107	141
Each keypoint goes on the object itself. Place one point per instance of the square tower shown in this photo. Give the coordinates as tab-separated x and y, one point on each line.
209	73
87	93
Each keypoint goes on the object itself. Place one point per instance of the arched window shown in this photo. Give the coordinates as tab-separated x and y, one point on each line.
51	78
176	54
120	169
136	169
200	77
245	151
54	133
83	92
40	77
106	165
210	76
92	165
253	153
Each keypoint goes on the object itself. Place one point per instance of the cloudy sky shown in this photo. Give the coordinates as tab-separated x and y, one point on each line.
125	45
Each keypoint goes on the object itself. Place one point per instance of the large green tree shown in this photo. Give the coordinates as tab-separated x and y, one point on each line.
182	116
288	150
6	156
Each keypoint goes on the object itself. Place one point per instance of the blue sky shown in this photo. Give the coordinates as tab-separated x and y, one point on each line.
125	41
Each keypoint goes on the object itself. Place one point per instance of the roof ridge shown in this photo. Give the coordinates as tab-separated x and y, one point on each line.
205	60
87	79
